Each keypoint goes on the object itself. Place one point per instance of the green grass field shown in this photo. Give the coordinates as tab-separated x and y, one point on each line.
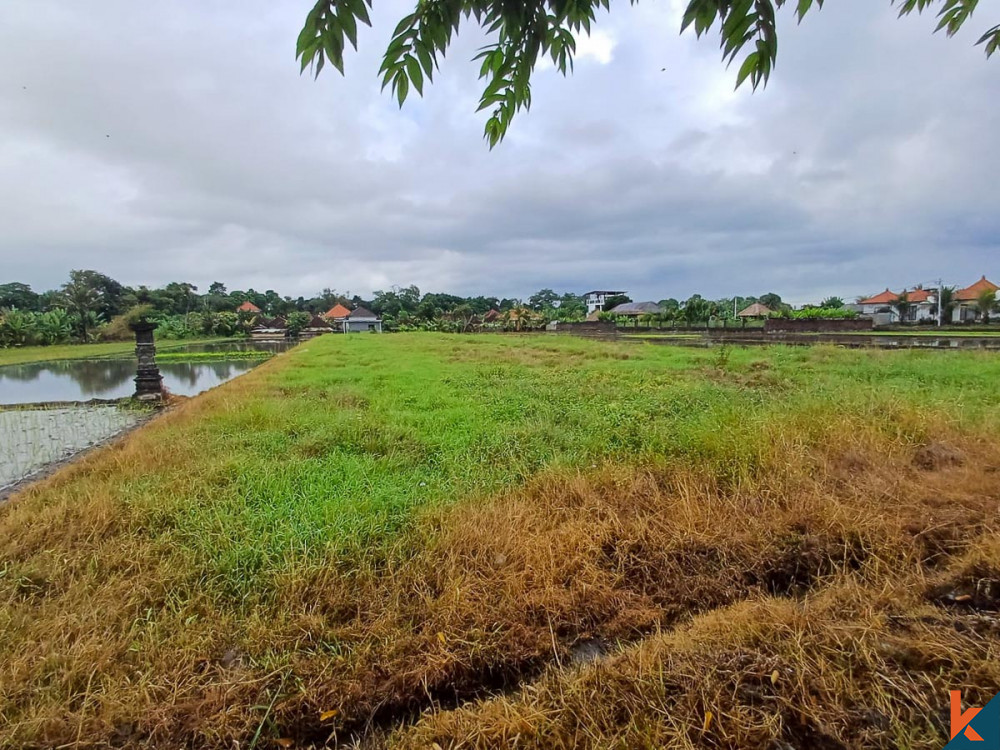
367	522
25	354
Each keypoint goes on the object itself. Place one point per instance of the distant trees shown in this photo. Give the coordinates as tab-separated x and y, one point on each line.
542	299
296	321
84	297
771	300
669	305
19	296
26	327
572	307
92	304
697	309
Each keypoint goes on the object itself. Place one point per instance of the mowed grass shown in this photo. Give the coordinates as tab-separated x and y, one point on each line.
24	354
369	526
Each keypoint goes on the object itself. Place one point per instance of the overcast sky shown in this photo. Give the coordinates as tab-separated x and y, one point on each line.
176	141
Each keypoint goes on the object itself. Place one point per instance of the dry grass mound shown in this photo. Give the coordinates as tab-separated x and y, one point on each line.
861	597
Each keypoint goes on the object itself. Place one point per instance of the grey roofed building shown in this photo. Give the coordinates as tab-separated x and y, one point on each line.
361	319
268	330
316	327
636	308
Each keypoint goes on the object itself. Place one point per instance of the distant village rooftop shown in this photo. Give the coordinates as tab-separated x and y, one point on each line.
337	312
636	308
971	293
756	310
883	298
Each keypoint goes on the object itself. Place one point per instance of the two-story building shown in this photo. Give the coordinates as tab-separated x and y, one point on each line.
595	300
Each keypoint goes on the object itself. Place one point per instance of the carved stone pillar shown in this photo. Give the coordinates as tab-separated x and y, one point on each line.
148	381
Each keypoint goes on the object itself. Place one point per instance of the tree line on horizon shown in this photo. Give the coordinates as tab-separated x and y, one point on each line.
93	306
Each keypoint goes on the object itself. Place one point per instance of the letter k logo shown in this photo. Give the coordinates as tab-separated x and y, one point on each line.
960	721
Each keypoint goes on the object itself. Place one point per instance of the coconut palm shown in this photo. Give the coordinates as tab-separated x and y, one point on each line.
902	305
947	302
82	295
986	302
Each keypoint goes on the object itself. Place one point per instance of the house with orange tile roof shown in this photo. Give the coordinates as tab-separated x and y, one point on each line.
359	319
248	306
967	300
921	305
337	312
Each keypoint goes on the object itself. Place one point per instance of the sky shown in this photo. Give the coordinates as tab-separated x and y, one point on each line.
159	142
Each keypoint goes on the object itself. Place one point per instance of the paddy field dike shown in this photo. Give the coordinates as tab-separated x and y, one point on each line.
499	541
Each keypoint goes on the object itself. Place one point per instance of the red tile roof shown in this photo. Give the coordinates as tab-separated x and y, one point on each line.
885	298
918	295
336	312
248	306
971	293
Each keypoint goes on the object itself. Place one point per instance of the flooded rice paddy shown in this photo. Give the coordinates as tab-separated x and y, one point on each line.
33	437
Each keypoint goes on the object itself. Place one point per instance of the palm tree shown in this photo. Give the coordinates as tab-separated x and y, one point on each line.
986	302
82	296
902	305
947	303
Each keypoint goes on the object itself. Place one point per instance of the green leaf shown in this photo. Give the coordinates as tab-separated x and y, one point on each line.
404	24
402	88
749	65
360	9
350	27
416	75
425	59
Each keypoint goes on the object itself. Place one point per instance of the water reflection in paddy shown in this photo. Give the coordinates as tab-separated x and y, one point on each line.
85	379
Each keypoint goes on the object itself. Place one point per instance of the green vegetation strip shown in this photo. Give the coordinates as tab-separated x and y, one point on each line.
216	356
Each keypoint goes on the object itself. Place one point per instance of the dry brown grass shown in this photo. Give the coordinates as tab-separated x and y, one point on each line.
828	618
832	576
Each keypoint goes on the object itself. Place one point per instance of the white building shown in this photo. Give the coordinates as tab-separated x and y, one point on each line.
921	304
595	300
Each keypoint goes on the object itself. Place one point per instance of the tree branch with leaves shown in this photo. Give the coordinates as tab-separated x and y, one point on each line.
523	31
